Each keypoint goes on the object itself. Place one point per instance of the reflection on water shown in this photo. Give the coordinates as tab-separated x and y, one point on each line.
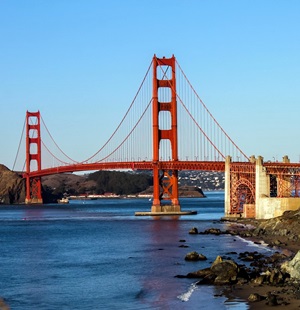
83	255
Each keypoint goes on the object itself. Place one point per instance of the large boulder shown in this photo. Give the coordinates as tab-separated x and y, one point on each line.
12	186
293	267
226	271
219	273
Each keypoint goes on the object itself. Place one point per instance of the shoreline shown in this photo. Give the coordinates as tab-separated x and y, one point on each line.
285	294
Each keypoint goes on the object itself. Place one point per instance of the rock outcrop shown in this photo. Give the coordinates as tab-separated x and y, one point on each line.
12	187
227	271
280	232
293	266
287	226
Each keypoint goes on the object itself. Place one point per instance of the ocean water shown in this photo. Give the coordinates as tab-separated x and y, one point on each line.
97	255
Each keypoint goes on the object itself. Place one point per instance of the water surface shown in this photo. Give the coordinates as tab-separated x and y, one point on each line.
97	255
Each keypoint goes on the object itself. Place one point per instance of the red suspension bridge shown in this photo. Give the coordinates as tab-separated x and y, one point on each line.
167	128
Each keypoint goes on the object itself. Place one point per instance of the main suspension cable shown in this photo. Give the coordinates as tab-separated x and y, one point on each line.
20	142
113	134
211	114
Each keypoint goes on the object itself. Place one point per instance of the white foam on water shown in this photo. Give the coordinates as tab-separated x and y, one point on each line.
187	295
262	245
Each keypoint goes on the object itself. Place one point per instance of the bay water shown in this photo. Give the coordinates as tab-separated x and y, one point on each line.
96	254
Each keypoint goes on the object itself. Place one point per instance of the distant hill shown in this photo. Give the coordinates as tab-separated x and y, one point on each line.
12	187
100	182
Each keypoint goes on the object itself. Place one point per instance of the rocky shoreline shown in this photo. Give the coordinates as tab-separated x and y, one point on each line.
263	281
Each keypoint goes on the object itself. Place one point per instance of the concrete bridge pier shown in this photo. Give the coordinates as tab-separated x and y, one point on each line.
262	186
227	186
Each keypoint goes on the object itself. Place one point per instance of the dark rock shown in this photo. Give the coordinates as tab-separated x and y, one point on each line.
271	276
231	232
193	231
226	272
217	261
242	281
213	231
258	232
246	234
207	280
258	264
243	274
276	277
276	242
202	257
255	297
180	276
250	256
259	279
272	300
276	258
194	256
297	293
200	273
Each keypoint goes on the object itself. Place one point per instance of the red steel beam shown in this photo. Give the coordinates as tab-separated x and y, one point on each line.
138	165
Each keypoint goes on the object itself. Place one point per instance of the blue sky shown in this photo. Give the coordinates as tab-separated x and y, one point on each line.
81	62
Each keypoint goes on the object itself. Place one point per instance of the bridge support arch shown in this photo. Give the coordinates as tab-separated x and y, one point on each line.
165	182
259	189
33	158
239	188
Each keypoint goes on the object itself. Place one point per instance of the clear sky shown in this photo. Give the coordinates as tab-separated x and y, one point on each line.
81	62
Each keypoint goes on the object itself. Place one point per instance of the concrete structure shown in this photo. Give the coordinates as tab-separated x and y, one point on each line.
261	190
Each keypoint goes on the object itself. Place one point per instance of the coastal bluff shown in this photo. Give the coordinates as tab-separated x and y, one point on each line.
12	187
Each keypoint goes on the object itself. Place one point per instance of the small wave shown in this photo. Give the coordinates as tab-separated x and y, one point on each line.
187	295
261	245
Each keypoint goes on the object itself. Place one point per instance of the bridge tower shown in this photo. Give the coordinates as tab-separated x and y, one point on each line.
165	182
33	158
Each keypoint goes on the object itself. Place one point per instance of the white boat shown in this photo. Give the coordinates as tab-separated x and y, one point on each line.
63	200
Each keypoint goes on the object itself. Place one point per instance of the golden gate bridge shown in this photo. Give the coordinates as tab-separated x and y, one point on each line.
167	128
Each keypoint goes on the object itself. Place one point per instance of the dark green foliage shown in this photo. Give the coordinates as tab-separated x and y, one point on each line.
50	195
120	183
